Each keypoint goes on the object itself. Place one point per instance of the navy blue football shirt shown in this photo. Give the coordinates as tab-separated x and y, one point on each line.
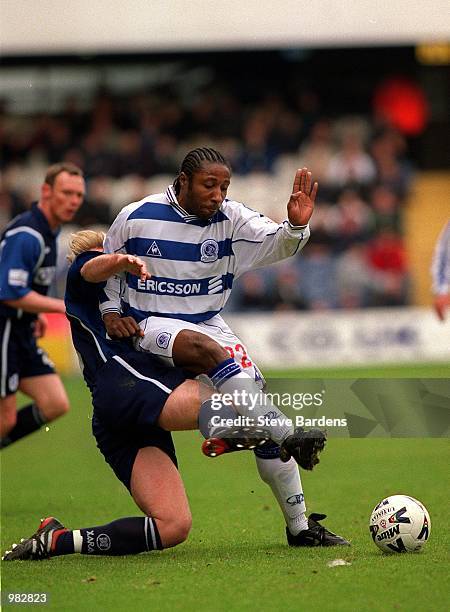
89	336
27	260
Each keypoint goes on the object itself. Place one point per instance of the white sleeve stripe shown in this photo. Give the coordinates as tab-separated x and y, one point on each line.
257	241
4	371
109	306
141	376
32	232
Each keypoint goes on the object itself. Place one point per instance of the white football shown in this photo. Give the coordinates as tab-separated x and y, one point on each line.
400	523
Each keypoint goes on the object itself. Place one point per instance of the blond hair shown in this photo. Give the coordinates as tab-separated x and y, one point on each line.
84	240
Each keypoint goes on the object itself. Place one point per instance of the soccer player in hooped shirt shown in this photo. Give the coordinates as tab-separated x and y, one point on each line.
196	242
27	268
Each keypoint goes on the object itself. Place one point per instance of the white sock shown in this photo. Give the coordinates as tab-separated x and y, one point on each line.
284	480
249	401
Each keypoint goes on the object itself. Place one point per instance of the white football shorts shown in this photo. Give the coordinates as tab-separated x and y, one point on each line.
160	334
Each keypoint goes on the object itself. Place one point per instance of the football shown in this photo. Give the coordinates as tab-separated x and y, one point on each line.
400	523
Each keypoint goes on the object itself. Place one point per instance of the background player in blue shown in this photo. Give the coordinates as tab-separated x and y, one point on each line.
27	268
440	270
196	242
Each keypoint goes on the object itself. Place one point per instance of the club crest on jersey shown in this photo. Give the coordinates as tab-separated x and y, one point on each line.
44	276
163	339
209	251
153	250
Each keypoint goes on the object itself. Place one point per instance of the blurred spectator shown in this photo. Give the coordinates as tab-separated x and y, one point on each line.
287	290
287	132
387	259
130	157
165	158
257	155
98	158
355	285
317	151
96	208
10	206
351	165
386	207
202	118
317	268
392	170
252	293
58	140
350	220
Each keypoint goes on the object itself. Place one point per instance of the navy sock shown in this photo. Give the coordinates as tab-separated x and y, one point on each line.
269	450
29	419
126	536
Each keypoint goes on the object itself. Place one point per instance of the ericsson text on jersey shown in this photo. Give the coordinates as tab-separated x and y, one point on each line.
155	286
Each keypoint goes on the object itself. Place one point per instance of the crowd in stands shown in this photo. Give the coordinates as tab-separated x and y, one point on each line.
129	147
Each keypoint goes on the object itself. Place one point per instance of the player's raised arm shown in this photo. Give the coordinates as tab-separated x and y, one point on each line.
98	267
101	268
301	203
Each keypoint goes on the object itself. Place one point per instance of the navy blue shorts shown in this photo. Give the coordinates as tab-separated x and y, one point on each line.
128	398
20	356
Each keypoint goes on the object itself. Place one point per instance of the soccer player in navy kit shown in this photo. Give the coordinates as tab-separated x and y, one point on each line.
27	268
137	402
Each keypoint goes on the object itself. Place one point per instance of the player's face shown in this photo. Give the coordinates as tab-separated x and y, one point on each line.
203	194
64	197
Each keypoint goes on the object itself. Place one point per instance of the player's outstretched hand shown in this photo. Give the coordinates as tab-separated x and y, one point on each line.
301	203
441	304
121	327
135	265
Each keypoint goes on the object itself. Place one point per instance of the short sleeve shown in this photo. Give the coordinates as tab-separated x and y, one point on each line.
20	254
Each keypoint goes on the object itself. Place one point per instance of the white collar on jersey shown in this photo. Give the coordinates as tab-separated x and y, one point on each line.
171	196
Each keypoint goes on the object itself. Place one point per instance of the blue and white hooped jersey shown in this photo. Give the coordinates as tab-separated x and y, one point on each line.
193	262
440	267
27	260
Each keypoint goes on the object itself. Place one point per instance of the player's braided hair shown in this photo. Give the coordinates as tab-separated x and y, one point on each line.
193	161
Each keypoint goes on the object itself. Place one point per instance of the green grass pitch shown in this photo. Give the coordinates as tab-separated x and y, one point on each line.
236	557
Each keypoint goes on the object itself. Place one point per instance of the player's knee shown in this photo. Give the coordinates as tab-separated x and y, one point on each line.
63	407
182	530
54	407
175	531
196	350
